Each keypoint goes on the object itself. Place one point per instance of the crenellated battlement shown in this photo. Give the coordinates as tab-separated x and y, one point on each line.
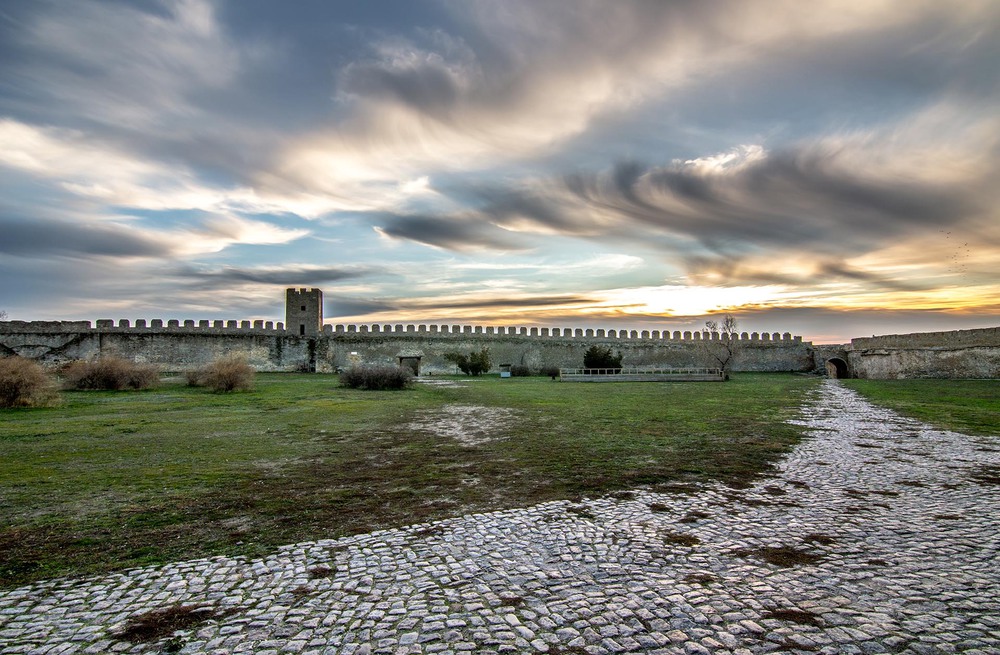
522	332
156	325
397	330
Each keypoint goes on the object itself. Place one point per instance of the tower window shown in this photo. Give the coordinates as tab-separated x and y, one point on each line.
303	308
302	329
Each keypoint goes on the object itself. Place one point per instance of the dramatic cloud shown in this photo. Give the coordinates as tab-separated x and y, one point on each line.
288	275
838	197
117	64
511	302
449	232
506	161
38	235
25	238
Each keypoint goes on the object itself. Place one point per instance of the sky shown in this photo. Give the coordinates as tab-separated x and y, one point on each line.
830	169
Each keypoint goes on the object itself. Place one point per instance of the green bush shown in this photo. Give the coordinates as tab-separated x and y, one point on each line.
376	378
475	363
110	374
520	371
602	357
224	375
23	383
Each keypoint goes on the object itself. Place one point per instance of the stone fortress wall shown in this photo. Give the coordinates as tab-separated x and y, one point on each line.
956	354
181	345
309	345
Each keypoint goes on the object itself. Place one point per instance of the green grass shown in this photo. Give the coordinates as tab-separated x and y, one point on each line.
110	480
968	406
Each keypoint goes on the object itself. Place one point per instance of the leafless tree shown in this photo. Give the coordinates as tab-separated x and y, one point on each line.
3	315
725	347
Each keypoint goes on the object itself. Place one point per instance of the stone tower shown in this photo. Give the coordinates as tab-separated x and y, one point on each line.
304	311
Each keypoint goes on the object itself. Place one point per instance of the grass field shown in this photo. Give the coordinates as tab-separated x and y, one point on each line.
968	406
113	480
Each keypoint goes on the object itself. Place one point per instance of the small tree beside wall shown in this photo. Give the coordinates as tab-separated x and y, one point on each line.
602	357
475	363
721	351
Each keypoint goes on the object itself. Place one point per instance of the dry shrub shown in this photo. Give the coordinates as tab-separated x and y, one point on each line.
193	377
376	378
551	371
23	383
224	375
110	374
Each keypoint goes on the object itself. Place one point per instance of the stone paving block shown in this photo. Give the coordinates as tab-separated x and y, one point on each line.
894	576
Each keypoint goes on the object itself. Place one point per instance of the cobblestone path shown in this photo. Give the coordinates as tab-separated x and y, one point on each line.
877	534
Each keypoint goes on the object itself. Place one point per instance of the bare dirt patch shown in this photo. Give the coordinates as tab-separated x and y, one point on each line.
699	578
794	616
680	539
780	555
987	475
441	384
470	425
159	623
694	516
321	572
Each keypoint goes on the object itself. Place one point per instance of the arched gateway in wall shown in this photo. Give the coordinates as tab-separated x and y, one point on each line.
837	368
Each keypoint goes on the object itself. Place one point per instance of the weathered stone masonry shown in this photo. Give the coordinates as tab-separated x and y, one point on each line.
176	346
956	354
304	343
